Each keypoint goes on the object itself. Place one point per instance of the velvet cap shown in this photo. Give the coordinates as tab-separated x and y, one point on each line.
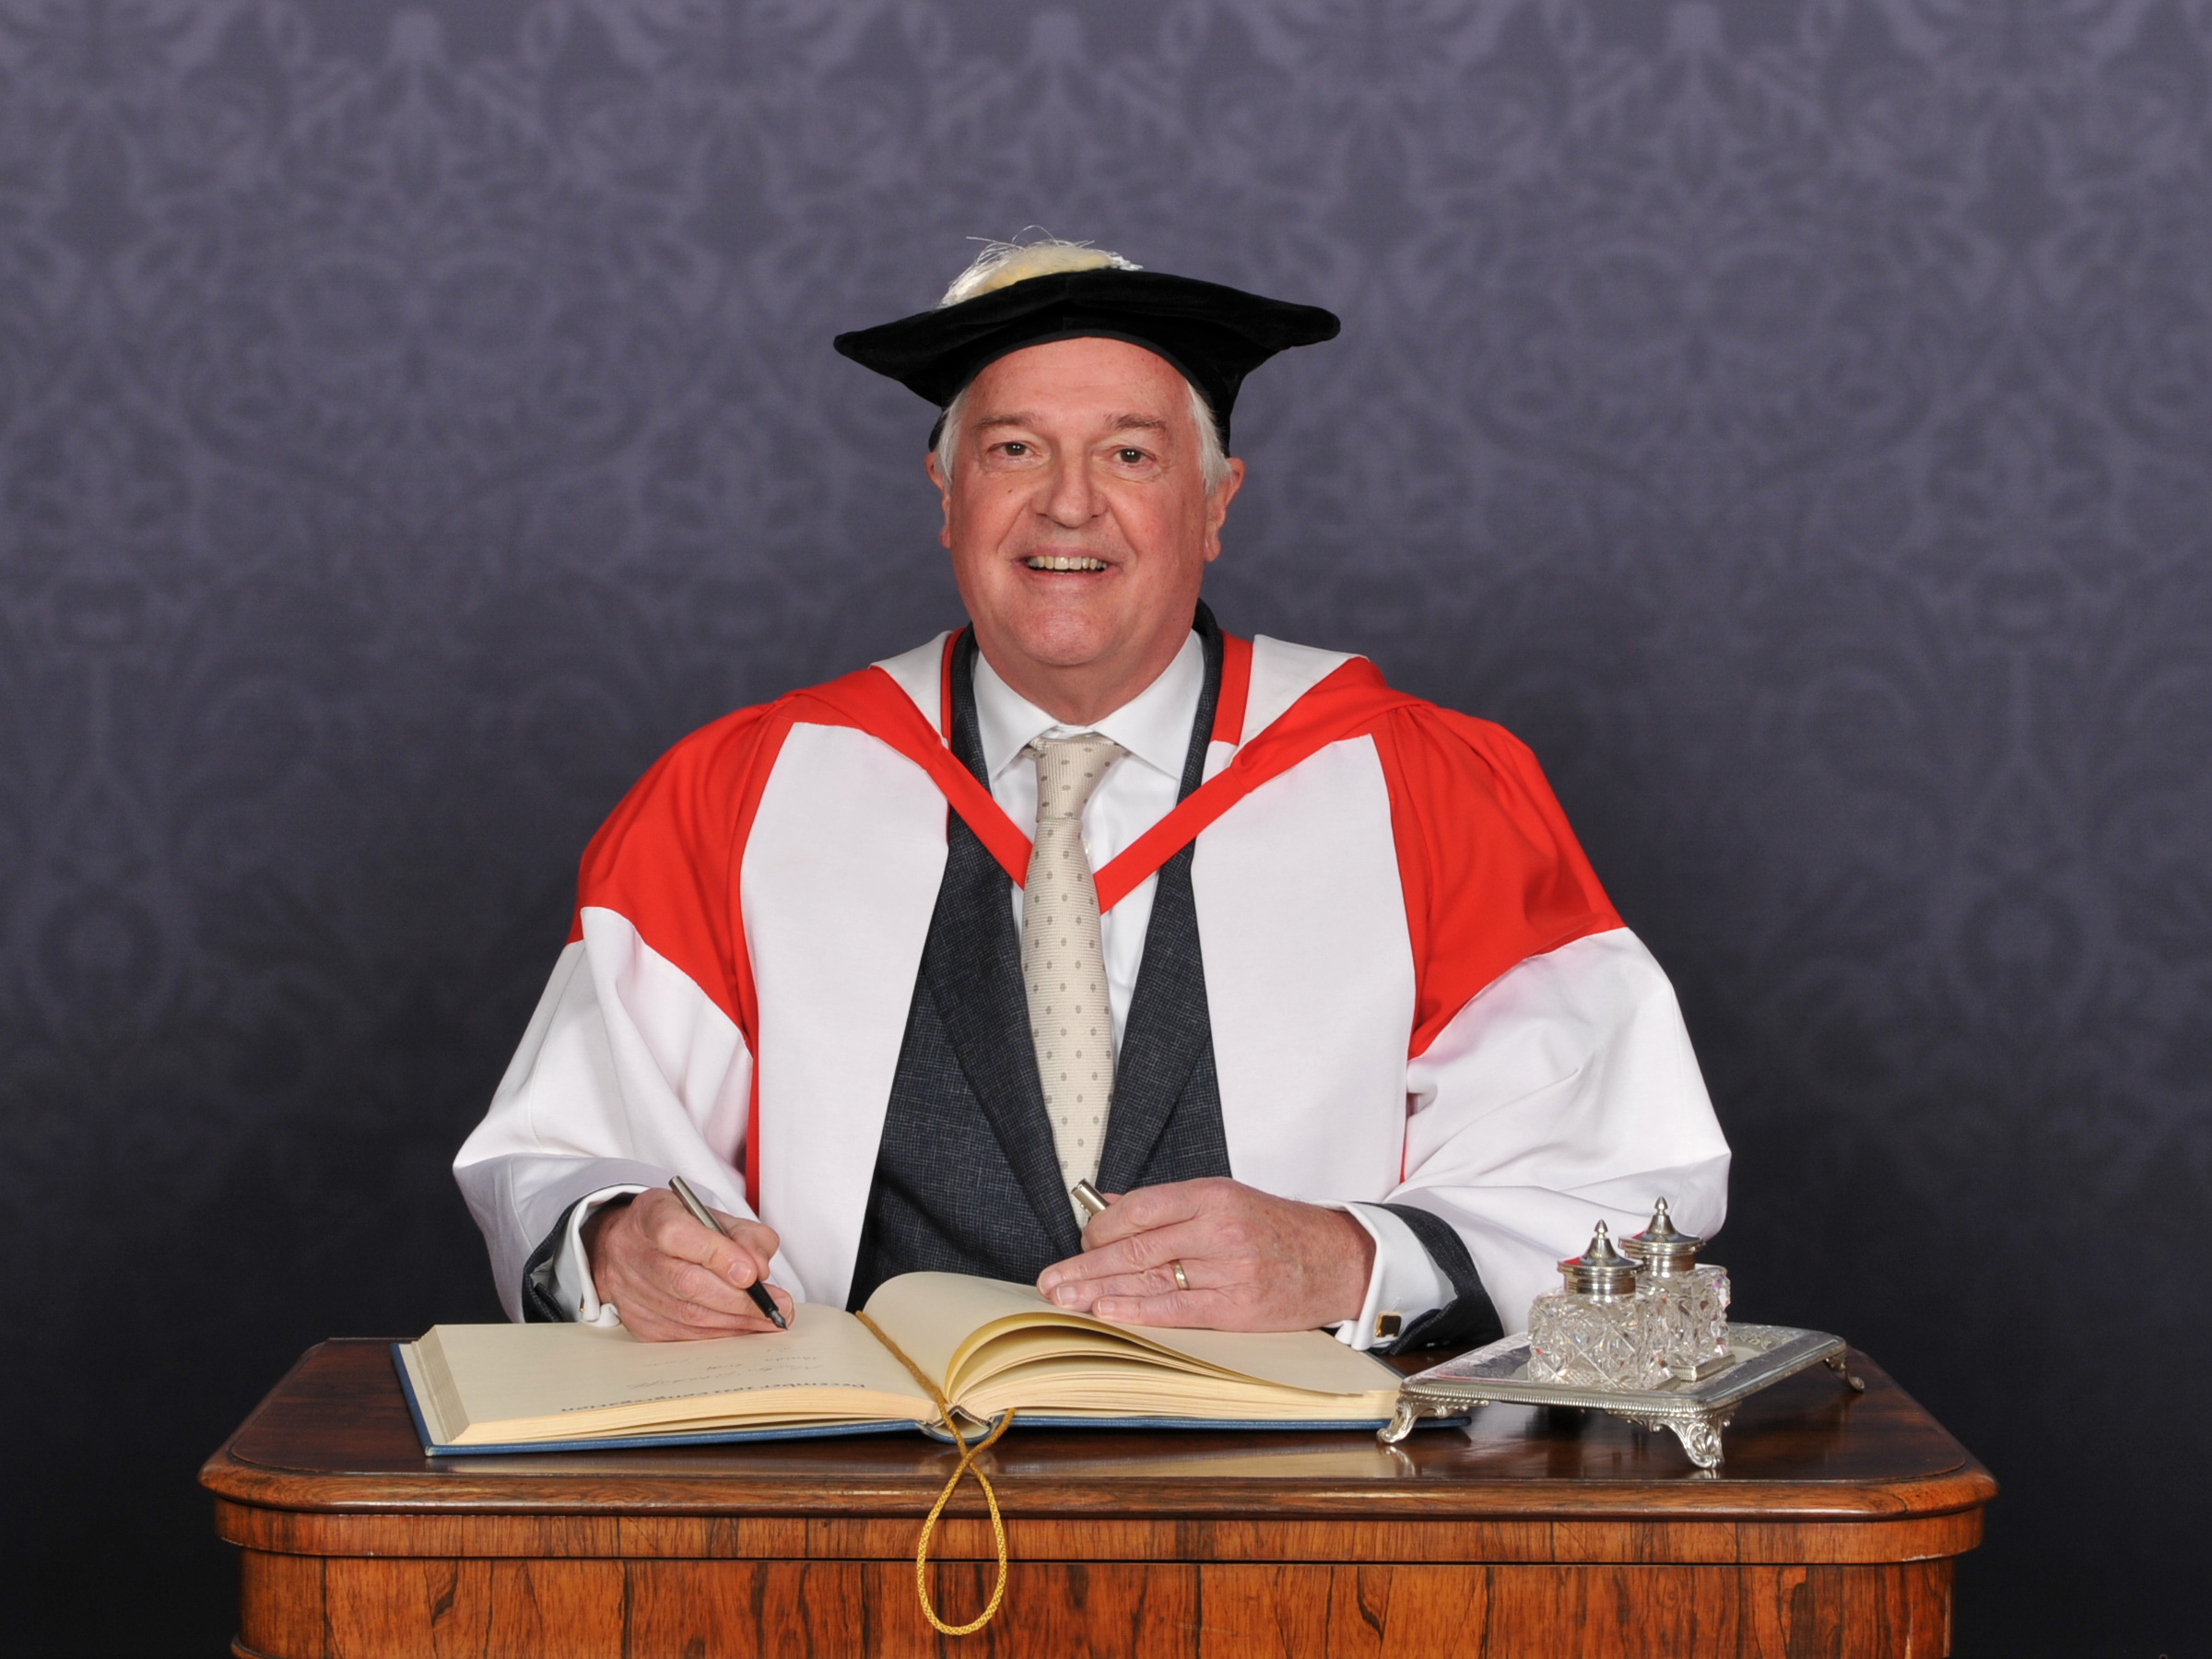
1213	336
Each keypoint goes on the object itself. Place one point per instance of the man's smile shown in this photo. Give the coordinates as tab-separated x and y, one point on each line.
1063	561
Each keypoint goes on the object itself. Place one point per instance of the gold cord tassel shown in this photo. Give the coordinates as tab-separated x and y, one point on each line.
998	1531
965	1466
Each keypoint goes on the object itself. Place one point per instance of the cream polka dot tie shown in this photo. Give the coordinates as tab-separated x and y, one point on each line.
1070	1020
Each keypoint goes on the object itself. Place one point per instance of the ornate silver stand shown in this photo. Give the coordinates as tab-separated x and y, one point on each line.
1696	1412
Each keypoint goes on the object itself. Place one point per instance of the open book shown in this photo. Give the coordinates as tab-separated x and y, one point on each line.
982	1345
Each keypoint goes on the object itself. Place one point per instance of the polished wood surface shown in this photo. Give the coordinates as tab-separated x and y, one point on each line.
1831	1530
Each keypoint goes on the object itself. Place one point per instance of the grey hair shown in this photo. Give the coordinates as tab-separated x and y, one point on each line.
1213	459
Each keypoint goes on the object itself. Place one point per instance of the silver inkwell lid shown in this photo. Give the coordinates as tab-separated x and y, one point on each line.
1660	1249
1601	1270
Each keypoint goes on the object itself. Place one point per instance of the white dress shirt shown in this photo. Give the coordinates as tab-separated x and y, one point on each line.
1136	793
1138	790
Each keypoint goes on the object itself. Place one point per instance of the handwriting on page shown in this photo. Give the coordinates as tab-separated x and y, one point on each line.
685	1378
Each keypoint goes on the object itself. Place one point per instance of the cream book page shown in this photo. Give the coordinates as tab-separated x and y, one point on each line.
991	1345
493	1385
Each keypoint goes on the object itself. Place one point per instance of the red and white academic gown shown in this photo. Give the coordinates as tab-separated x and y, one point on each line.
1418	992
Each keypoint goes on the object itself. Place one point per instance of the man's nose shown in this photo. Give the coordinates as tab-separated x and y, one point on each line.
1071	500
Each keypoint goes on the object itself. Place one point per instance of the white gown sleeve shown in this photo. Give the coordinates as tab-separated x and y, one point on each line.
1565	1093
628	1073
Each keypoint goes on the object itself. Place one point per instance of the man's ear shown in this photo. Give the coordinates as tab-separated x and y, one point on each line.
937	476
1217	506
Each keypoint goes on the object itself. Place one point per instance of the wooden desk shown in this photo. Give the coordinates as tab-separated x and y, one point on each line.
1829	1532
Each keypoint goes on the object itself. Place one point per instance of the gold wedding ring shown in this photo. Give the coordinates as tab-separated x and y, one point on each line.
1181	1279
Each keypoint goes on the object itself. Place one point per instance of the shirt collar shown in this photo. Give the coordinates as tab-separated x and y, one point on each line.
1154	725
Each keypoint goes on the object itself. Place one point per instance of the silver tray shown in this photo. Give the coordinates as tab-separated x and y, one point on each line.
1696	1412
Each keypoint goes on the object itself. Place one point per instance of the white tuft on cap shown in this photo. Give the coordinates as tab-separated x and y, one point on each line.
1003	264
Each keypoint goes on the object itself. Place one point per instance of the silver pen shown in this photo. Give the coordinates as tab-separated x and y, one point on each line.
705	1218
1084	1194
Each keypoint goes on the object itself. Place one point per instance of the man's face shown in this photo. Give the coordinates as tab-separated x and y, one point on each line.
1078	517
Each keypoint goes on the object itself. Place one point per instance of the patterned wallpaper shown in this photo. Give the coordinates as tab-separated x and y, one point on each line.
1791	416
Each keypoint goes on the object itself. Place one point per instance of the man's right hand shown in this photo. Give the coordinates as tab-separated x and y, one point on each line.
674	1280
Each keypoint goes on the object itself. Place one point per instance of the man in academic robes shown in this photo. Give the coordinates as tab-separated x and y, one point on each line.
1309	976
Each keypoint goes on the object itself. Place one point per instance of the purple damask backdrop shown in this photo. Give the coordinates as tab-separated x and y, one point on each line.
1791	416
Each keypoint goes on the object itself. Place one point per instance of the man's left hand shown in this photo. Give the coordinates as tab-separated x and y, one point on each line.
1253	1262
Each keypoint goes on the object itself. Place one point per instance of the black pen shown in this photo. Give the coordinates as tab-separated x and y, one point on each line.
705	1218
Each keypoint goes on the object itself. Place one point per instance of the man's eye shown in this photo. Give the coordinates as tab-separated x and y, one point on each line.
1015	448
1129	457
